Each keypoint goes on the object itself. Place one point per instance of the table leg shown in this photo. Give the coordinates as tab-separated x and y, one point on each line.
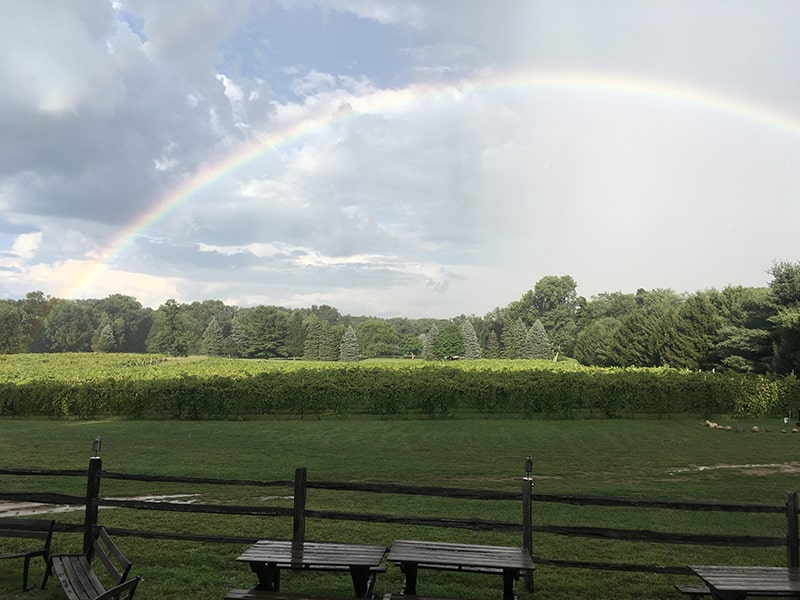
509	576
410	583
360	576
269	576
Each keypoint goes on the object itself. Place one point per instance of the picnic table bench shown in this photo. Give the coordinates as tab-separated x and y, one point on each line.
504	560
268	557
35	529
736	583
80	582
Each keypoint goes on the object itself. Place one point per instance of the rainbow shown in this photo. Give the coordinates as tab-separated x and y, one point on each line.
399	99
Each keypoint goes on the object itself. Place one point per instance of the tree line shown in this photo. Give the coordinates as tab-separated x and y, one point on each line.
742	329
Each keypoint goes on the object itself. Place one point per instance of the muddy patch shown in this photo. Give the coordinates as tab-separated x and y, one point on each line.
29	509
745	469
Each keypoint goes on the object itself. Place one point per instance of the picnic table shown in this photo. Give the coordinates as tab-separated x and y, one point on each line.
412	555
268	557
736	583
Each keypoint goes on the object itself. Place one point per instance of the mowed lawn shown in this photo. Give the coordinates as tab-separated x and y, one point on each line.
675	459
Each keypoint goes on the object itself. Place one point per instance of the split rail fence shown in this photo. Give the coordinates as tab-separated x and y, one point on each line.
300	512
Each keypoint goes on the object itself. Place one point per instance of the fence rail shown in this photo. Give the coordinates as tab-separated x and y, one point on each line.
299	513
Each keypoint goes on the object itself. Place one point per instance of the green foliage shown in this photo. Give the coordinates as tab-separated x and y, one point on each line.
377	338
168	334
411	345
92	385
105	340
265	328
448	342
554	301
349	350
785	288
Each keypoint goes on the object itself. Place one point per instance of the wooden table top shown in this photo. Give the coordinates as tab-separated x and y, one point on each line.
313	553
751	580
463	555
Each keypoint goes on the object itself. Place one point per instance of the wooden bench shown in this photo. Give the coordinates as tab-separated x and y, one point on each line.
35	529
80	582
693	591
741	581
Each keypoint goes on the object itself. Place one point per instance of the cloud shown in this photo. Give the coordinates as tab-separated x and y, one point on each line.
415	162
25	245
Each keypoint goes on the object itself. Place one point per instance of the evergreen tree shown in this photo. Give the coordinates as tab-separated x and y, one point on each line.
213	338
295	334
472	349
313	341
236	342
429	343
512	340
591	348
349	350
322	341
537	342
689	332
492	345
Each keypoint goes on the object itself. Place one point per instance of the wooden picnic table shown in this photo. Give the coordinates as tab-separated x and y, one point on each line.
268	557
413	555
736	583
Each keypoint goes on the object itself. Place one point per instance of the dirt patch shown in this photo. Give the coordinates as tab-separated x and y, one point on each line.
29	509
745	469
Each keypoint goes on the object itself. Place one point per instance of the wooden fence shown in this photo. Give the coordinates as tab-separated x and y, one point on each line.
300	512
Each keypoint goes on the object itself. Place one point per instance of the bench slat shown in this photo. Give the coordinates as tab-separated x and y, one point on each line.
76	577
80	582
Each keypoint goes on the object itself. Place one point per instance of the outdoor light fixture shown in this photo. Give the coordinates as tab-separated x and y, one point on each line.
96	446
528	466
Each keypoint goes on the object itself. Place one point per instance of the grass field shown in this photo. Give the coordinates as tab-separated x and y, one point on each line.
671	459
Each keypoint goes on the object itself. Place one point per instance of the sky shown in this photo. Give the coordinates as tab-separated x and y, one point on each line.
406	158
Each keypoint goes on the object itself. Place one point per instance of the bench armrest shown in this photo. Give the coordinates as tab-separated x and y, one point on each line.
119	591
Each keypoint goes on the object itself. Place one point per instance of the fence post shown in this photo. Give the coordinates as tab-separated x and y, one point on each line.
92	501
299	520
527	522
792	539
